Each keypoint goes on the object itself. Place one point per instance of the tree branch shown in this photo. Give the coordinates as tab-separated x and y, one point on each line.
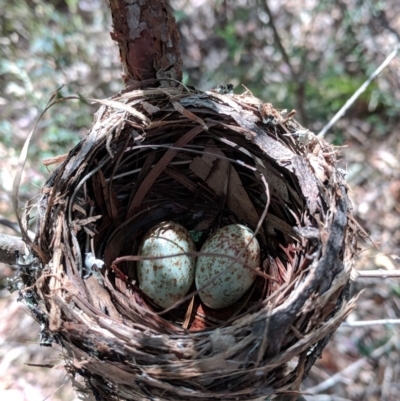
297	79
359	92
363	323
9	244
351	369
148	40
381	273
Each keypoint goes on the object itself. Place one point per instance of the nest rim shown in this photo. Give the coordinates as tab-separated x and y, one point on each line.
259	132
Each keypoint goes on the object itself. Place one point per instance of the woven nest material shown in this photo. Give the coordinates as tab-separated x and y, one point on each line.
203	160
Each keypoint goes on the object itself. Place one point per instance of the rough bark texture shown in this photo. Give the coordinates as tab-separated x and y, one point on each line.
148	40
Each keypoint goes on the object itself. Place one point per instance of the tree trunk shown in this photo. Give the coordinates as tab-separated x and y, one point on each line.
148	41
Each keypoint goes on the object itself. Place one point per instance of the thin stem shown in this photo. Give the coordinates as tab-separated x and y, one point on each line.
351	369
359	91
362	323
377	273
298	80
277	38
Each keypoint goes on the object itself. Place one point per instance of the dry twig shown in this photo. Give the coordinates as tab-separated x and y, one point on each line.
376	273
358	92
351	369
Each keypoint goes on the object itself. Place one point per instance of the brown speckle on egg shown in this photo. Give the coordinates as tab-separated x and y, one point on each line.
166	280
231	285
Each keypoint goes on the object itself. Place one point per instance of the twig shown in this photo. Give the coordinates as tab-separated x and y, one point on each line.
9	244
264	4
54	99
10	224
295	75
363	323
351	369
359	91
14	226
326	397
376	273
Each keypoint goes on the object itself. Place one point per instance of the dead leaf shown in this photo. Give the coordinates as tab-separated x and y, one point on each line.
151	109
123	107
188	114
276	185
216	177
54	160
318	166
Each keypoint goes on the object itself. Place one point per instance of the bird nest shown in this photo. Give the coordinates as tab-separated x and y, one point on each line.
203	160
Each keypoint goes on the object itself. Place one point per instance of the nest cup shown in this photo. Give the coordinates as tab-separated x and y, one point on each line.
203	160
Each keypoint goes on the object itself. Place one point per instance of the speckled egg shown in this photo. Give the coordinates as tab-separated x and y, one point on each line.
166	280
231	285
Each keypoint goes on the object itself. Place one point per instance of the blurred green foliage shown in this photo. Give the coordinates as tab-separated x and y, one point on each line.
331	48
46	45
